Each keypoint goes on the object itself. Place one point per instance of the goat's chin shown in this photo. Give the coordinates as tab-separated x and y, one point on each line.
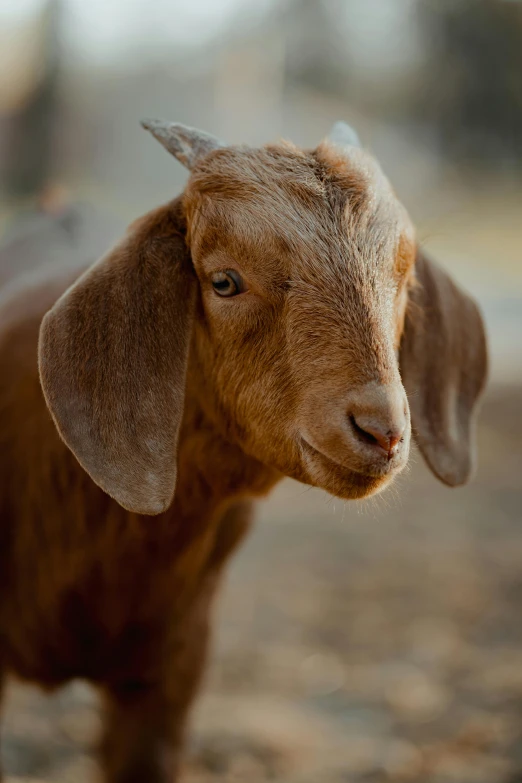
355	486
343	482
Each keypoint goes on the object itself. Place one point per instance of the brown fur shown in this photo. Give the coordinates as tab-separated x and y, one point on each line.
145	368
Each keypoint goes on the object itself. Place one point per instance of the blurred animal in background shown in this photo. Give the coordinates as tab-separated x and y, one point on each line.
276	319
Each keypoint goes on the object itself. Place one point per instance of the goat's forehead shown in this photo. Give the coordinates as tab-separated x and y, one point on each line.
296	203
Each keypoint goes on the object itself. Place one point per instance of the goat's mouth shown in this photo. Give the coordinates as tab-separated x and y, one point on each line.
345	480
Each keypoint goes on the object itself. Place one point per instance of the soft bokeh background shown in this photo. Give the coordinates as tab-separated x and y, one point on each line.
356	642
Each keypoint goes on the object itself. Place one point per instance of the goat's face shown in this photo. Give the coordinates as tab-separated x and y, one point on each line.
304	262
286	280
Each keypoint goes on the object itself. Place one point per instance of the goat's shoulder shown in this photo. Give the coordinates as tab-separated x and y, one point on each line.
25	424
23	303
35	290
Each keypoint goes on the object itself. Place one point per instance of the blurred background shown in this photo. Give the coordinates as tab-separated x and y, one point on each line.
379	641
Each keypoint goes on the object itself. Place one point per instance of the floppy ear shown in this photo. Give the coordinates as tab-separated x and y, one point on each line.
443	361
113	357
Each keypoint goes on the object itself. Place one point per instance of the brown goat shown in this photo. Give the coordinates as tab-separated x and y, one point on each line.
269	322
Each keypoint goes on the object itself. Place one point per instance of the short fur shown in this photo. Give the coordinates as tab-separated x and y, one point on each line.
165	399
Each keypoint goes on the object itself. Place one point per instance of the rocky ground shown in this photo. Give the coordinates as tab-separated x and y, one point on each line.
369	642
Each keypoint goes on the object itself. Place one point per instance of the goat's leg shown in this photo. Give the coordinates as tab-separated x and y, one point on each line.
2	680
145	724
143	738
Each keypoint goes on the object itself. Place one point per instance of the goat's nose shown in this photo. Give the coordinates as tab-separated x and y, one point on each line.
378	416
379	433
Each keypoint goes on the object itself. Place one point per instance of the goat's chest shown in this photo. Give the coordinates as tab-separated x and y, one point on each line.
101	603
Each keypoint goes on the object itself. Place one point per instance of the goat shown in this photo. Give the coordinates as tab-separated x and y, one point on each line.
276	319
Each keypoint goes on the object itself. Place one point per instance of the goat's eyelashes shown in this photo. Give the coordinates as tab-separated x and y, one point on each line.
227	283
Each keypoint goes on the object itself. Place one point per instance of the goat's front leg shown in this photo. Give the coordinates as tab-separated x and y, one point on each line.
2	679
145	724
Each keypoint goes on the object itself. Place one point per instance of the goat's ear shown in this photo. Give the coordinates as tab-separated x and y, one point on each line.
113	357
443	361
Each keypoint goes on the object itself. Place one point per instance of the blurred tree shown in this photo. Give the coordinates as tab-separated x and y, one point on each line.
473	77
316	48
28	127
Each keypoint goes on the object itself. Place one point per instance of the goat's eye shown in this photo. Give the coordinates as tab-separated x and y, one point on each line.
228	283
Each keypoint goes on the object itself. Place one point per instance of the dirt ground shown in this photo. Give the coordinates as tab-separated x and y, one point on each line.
379	641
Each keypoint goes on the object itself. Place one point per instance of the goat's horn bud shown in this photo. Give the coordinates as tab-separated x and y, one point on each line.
343	135
188	145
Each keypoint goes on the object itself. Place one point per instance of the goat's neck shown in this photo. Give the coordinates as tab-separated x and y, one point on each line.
214	479
214	472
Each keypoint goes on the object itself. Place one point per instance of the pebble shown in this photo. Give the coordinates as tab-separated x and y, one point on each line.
322	674
82	726
415	696
402	761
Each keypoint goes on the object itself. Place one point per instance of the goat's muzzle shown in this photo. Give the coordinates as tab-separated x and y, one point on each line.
367	433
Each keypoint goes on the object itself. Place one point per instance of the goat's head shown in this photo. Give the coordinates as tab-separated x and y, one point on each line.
293	281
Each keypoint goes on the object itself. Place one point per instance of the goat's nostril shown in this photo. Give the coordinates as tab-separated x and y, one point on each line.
362	433
373	433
